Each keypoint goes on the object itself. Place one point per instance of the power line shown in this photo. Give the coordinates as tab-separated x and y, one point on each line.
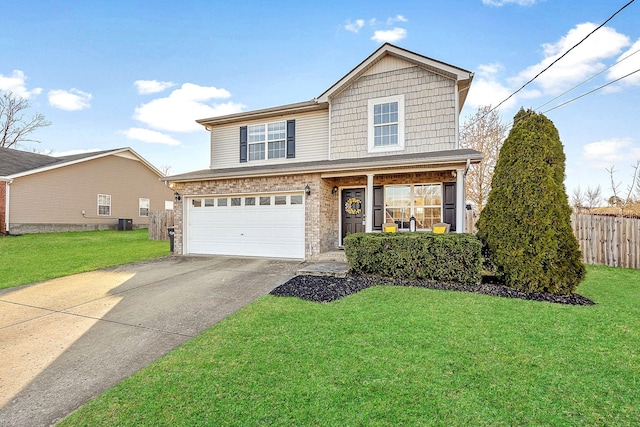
587	80
562	56
591	91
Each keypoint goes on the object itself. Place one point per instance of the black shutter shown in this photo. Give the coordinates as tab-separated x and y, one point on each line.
243	144
449	205
378	208
291	139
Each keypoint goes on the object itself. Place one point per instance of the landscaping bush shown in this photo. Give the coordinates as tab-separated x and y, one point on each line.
526	225
442	257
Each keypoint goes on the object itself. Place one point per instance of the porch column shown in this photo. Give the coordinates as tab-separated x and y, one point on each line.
368	227
460	201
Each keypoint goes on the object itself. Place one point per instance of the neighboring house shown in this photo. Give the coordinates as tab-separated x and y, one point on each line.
379	146
88	191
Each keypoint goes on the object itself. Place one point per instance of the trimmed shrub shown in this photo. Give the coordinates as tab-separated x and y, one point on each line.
525	227
441	257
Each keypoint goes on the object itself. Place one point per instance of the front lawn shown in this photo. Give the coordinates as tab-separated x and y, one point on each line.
390	356
33	257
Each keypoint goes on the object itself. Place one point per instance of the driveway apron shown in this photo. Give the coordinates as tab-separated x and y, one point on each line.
64	341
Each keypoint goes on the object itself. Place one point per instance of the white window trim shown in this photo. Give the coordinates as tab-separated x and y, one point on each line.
108	196
140	207
370	127
265	142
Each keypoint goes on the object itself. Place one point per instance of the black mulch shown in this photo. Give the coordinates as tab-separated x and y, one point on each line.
327	289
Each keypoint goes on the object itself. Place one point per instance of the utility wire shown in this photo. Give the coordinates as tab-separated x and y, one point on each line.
591	91
587	80
560	57
510	125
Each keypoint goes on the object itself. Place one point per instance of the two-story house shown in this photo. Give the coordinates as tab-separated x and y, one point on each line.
379	146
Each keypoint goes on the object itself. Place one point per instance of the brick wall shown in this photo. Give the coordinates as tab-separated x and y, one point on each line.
318	219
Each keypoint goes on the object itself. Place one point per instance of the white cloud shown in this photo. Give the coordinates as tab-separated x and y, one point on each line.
69	100
178	111
393	35
485	91
354	27
149	136
608	152
397	18
16	83
581	63
630	62
503	2
152	86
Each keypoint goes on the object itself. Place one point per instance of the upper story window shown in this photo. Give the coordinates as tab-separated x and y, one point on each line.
274	140
386	123
267	139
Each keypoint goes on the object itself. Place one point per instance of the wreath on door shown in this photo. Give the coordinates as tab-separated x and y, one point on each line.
352	206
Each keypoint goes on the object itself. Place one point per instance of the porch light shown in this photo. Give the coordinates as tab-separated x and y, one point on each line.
307	190
176	196
334	190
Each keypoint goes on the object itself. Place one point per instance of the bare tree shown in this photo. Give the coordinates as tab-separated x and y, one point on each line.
485	132
593	197
619	199
14	126
165	169
578	200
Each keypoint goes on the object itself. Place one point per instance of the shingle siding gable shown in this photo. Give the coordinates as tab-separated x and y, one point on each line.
429	111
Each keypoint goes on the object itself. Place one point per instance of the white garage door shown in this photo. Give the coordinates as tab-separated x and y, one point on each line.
262	225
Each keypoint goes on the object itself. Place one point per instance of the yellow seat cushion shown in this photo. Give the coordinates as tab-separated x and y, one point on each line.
440	229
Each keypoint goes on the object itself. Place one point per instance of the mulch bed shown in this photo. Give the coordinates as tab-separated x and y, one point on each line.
325	289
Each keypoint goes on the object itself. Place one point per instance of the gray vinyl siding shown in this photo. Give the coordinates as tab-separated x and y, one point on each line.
430	117
312	141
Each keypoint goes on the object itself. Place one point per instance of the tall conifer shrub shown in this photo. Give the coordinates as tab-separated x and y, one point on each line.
526	225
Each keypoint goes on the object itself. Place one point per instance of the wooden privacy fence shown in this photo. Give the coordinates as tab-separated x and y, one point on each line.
158	223
608	240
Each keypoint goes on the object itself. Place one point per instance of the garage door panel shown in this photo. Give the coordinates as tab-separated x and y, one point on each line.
260	230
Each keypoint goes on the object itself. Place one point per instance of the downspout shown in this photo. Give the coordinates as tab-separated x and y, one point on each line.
8	182
457	116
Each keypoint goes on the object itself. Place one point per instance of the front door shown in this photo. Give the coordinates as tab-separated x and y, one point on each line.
352	211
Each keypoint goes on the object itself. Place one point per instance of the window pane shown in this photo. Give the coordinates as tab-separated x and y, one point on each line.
209	202
255	133
222	202
277	149
256	151
280	200
196	203
249	201
265	200
296	200
276	131
235	201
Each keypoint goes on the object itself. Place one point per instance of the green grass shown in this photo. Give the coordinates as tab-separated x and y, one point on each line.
33	257
399	356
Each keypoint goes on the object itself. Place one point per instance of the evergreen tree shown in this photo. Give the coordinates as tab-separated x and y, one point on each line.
526	225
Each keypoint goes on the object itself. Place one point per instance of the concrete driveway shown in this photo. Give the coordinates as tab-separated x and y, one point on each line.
64	341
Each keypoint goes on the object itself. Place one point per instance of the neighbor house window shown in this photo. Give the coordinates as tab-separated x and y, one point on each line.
104	204
143	207
268	140
422	201
386	123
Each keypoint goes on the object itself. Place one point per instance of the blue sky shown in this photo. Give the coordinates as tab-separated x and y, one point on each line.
119	73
